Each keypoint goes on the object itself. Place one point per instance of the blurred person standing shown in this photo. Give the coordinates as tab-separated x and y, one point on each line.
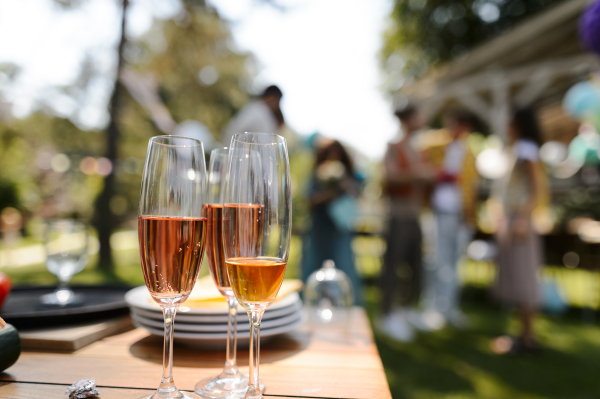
262	115
453	203
519	246
333	189
407	175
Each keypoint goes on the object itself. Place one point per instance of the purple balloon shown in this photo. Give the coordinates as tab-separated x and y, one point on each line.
589	27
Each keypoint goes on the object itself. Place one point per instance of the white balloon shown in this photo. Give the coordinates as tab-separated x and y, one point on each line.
492	163
553	153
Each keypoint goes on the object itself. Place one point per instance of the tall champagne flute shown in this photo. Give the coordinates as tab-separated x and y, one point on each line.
257	221
172	233
230	383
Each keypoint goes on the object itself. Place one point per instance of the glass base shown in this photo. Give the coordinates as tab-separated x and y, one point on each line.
224	387
259	396
173	395
61	297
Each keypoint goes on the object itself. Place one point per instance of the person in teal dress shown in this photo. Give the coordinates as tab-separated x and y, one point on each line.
332	191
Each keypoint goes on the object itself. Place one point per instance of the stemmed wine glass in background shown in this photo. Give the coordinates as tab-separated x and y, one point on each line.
66	244
257	221
230	383
172	233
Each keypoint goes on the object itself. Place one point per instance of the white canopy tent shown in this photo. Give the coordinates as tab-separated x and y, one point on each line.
534	63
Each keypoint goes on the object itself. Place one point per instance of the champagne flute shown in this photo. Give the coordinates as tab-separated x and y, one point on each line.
172	233
230	383
257	221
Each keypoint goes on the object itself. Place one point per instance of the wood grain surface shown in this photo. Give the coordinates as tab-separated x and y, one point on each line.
324	362
74	337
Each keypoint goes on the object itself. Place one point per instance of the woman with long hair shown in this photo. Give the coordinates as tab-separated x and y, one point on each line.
333	184
519	246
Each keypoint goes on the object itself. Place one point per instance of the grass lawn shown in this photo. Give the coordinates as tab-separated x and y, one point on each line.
451	364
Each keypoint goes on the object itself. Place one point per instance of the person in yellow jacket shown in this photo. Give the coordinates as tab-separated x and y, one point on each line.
453	203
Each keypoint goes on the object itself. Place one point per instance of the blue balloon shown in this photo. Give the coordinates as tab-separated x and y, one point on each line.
582	101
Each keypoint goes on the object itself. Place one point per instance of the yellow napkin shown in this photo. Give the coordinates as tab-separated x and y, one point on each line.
206	295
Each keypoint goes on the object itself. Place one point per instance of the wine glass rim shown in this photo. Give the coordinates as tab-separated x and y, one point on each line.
155	140
278	140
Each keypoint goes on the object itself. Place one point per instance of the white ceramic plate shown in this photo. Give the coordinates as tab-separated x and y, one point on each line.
139	297
219	328
219	340
217	320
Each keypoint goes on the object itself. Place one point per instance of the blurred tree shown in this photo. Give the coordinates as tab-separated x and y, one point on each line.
198	75
39	166
423	33
9	194
174	54
105	220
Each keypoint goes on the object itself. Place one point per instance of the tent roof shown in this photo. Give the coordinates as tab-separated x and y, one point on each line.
551	35
534	63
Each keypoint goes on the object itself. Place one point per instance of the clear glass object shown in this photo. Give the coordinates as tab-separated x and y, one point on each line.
329	295
257	216
230	383
172	234
66	244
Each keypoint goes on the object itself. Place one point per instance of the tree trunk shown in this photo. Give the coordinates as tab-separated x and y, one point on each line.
104	220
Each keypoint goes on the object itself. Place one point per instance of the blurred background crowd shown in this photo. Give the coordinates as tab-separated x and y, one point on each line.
457	185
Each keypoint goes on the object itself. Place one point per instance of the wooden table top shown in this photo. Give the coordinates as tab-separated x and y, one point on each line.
306	364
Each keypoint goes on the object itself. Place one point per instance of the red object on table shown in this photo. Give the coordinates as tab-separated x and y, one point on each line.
5	287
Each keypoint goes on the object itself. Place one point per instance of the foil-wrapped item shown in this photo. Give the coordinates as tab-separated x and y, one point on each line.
83	389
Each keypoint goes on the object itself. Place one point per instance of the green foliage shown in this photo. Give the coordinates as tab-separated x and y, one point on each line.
423	33
198	40
581	201
27	148
201	40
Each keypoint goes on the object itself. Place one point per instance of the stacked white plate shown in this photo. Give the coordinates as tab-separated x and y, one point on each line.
207	326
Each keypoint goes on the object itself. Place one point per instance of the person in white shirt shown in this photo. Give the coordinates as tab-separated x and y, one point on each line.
259	116
454	220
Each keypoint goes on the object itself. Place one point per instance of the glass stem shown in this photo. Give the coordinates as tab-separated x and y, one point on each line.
231	363
254	385
63	292
63	283
167	385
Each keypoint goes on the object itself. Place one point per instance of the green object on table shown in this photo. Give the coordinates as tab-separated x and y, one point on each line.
10	346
